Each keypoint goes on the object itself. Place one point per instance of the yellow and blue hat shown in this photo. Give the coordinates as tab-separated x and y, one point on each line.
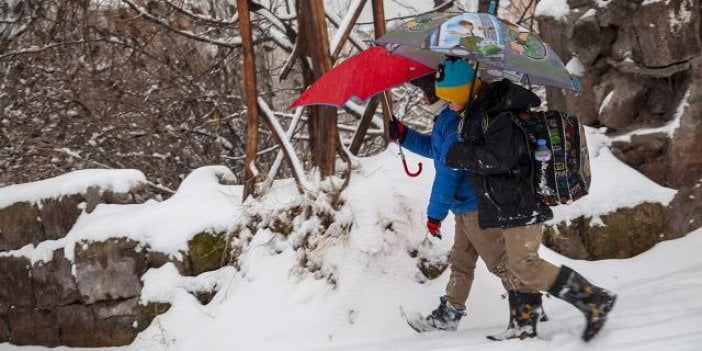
454	79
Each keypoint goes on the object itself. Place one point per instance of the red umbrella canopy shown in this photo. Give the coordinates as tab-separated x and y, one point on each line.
363	75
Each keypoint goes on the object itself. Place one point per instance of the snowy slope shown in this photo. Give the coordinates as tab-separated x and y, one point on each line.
269	306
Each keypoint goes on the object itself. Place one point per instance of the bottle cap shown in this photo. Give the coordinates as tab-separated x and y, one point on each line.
541	142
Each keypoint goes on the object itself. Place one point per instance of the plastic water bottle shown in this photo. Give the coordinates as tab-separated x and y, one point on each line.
542	153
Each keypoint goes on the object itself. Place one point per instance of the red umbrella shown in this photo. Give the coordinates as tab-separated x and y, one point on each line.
362	75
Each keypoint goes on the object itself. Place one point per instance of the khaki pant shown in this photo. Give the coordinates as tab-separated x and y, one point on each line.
509	253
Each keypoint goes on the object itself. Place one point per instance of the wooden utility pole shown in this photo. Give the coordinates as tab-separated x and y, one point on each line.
251	95
322	120
379	27
363	126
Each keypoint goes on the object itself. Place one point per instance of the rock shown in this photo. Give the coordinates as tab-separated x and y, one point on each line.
116	321
625	233
662	98
647	154
589	40
624	43
93	197
54	284
59	215
109	270
431	269
77	325
34	326
110	197
19	226
566	239
686	149
618	99
584	106
685	211
146	313
556	34
4	328
675	37
112	323
156	259
15	282
580	3
206	252
617	13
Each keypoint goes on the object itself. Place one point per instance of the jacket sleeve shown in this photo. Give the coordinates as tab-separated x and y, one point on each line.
493	153
418	143
443	190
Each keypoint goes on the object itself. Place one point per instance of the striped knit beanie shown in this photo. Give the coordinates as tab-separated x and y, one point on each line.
454	79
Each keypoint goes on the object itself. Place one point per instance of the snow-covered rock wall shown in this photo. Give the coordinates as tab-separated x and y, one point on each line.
73	252
640	66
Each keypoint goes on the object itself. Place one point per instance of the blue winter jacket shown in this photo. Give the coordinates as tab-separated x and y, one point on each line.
451	189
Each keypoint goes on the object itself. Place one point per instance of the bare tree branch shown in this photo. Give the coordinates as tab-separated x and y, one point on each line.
205	19
279	157
36	50
232	43
443	6
296	165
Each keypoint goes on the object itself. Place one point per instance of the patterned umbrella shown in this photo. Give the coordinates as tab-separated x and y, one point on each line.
504	49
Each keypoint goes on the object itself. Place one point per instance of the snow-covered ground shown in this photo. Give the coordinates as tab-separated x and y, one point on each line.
267	305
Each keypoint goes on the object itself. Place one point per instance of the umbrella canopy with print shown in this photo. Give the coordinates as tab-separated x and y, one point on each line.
504	49
363	75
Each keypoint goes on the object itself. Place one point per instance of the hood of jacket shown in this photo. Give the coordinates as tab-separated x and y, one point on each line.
504	96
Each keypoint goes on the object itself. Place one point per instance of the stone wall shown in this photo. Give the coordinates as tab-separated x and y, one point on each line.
643	68
24	223
93	300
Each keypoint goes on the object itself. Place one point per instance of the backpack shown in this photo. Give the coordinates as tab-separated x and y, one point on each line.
566	177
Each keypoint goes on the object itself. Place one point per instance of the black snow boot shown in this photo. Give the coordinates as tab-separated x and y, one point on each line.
594	302
446	316
525	311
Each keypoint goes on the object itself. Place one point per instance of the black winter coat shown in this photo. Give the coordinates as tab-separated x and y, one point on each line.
495	150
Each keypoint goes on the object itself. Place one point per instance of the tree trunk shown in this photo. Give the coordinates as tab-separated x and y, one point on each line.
484	5
251	95
322	121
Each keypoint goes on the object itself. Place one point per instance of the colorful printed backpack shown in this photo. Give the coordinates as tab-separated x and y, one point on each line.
566	177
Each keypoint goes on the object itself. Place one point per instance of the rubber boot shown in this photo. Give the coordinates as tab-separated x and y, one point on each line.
525	311
594	302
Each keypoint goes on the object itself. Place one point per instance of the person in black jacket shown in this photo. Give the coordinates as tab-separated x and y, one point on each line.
497	154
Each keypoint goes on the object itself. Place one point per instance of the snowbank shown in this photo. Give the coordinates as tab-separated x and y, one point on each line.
269	305
614	184
117	180
201	204
558	9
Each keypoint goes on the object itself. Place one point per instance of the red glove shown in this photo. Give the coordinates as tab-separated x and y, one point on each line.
434	227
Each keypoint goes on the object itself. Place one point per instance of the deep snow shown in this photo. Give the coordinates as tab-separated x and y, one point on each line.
268	305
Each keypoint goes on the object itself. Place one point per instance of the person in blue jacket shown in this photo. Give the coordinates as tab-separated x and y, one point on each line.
452	191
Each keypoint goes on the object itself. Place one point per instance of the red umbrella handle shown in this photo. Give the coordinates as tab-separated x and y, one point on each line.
404	164
402	155
419	170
